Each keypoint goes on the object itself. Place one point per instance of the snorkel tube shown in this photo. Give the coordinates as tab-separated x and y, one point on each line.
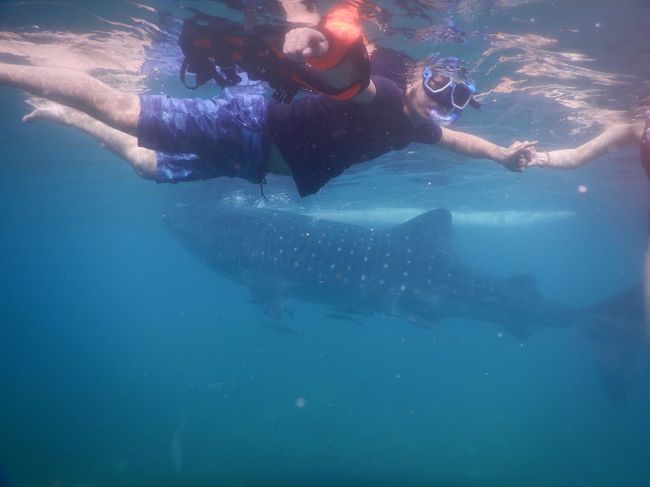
444	119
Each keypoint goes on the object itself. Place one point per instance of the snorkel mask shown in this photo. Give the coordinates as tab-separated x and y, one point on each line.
451	94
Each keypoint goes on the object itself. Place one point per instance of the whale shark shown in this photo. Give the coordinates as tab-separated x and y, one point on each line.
409	271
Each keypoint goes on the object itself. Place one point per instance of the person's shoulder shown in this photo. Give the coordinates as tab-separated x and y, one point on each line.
387	90
384	83
392	64
427	133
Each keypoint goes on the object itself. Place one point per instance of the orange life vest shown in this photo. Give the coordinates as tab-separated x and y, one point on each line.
343	31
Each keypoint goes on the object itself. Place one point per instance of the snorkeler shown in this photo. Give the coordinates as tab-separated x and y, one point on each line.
314	138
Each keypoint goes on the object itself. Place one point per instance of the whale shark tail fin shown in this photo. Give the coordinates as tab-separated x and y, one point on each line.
615	329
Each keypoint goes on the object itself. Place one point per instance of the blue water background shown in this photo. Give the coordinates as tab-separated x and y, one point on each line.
111	332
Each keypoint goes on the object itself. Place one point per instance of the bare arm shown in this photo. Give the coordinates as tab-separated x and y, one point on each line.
612	138
513	158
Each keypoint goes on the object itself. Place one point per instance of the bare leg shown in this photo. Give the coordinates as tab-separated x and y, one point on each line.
76	90
142	160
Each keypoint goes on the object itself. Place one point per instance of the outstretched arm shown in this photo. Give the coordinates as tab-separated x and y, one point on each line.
612	138
513	158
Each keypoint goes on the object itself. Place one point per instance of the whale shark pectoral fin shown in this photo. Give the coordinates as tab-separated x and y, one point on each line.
518	330
269	295
418	313
434	224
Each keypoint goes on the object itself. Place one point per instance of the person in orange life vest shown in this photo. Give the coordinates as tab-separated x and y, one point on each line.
313	139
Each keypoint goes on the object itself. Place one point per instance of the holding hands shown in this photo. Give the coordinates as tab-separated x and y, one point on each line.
537	159
520	155
304	42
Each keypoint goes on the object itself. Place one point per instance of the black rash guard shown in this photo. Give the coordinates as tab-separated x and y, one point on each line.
319	137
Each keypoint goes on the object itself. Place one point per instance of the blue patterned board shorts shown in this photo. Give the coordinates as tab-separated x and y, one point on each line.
199	139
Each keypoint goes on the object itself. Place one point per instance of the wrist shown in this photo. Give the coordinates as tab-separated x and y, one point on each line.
501	155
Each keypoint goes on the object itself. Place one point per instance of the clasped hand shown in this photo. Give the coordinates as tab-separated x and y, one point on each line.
519	156
304	42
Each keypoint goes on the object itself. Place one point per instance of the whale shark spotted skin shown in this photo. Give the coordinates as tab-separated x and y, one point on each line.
409	271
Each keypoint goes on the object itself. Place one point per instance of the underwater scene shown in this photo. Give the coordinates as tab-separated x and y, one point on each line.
419	315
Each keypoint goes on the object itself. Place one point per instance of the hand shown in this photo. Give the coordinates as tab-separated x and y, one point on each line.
518	156
303	43
538	159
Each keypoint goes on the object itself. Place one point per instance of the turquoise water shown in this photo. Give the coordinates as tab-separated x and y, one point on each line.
125	361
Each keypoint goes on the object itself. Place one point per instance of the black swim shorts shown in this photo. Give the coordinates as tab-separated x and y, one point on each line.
206	138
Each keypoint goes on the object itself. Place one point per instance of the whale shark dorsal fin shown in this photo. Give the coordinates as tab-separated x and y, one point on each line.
433	224
268	294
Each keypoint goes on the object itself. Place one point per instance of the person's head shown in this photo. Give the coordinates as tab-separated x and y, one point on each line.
440	92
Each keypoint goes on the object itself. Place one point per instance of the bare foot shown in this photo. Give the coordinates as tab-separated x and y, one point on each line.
50	112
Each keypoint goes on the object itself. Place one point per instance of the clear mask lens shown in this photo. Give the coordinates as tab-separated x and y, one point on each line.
461	95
